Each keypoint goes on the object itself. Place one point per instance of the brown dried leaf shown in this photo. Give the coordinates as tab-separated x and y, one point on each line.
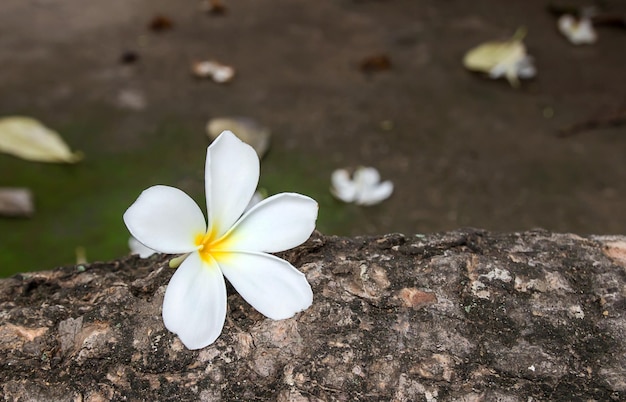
160	23
375	63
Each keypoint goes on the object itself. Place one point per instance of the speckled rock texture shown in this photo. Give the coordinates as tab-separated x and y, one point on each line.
465	315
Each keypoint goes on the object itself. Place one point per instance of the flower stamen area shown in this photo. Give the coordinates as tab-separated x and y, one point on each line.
209	246
204	241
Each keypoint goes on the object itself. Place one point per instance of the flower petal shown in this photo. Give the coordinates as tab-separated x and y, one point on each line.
137	248
366	177
256	198
165	219
194	307
577	32
526	68
375	194
277	223
270	284
231	176
342	186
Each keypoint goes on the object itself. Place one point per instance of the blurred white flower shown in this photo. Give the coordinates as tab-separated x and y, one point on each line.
138	248
218	72
364	188
578	32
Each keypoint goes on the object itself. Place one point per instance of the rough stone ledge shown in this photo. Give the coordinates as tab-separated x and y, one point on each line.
467	315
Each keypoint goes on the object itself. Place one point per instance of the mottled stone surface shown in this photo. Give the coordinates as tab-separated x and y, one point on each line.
465	315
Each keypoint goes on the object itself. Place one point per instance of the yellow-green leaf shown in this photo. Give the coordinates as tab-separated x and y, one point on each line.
501	58
28	139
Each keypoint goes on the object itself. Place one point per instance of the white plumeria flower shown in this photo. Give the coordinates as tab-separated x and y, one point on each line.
137	248
231	245
364	188
579	32
218	72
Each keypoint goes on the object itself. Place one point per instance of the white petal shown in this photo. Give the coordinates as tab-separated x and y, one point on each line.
366	177
577	32
511	76
271	285
231	176
194	307
587	32
165	219
583	33
277	223
525	67
566	24
137	248
256	198
375	194
498	71
342	186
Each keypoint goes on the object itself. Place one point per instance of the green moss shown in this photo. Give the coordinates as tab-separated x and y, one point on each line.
82	205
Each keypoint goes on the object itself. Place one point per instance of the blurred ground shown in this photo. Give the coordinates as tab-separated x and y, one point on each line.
462	150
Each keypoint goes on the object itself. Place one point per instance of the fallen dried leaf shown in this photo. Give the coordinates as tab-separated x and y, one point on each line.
28	139
246	129
502	59
16	202
160	23
213	7
375	63
129	57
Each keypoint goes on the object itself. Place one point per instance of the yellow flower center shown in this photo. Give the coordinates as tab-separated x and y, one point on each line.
204	242
209	246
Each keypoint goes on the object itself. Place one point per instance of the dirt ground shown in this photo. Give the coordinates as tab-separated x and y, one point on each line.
461	149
